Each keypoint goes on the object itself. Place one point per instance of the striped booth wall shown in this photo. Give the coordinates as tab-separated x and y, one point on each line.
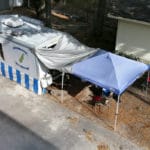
25	80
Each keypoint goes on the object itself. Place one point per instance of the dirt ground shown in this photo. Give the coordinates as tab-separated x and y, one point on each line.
134	112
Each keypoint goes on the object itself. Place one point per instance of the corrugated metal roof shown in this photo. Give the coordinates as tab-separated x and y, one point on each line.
7	4
4	4
132	9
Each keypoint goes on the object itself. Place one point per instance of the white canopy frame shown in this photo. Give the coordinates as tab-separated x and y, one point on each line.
117	113
118	101
147	83
62	87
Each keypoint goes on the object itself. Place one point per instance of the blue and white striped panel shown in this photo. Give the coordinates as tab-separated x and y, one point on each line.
3	69
25	80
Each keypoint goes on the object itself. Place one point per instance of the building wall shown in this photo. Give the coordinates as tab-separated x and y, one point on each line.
4	4
15	3
133	39
7	4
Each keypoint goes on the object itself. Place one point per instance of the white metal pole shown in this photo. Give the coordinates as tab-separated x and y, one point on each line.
62	87
117	112
147	82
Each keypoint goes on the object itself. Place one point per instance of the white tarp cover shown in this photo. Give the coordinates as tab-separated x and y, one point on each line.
66	52
13	22
55	49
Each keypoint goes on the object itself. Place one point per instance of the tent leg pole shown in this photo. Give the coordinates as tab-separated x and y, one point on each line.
147	82
116	114
62	87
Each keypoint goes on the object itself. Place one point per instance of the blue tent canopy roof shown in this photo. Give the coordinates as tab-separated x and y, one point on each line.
110	71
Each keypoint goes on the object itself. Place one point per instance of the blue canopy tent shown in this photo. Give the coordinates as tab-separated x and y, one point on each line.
111	72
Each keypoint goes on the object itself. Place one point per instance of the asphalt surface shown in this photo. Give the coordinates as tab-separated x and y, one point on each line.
14	136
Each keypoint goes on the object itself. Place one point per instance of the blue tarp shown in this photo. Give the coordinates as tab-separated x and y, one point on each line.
110	71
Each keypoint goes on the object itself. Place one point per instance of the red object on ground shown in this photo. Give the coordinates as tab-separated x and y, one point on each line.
148	79
97	98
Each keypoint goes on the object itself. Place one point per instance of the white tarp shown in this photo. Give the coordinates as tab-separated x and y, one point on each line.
55	49
15	44
66	52
13	22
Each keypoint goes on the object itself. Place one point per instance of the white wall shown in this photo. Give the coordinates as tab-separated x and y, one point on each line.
22	59
4	5
134	39
14	3
7	4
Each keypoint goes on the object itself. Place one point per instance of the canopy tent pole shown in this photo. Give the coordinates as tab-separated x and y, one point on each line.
62	87
117	112
147	82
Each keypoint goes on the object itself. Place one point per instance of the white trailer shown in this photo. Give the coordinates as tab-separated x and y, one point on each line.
28	51
19	37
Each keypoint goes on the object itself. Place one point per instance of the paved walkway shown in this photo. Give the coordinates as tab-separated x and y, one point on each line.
31	122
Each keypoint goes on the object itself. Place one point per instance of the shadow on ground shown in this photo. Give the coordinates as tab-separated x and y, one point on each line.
14	136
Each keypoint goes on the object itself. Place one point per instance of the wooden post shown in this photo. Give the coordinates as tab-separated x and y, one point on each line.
99	18
48	12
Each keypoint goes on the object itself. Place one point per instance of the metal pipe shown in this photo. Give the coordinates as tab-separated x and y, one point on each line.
116	114
62	87
147	82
